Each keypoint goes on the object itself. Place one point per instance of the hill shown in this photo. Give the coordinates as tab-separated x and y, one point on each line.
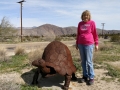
53	30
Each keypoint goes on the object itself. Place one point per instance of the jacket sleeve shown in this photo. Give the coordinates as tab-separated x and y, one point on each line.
77	35
94	32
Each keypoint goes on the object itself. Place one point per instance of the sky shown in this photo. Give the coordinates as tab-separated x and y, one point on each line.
62	13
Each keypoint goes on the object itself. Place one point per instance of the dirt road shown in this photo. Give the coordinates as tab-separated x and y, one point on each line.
10	48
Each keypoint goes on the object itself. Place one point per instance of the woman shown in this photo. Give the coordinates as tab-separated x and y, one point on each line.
86	39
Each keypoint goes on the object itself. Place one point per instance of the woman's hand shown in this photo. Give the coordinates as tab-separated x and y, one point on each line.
76	46
96	47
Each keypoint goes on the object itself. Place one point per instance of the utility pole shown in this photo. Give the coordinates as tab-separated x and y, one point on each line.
21	2
102	28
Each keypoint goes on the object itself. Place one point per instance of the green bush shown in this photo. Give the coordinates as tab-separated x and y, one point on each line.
57	38
115	38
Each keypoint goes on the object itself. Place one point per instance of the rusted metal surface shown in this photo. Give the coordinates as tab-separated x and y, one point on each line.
56	58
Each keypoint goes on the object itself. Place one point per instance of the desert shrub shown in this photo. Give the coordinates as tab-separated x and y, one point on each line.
3	56
106	47
115	38
67	38
6	29
57	38
106	36
19	50
2	51
33	55
48	38
28	38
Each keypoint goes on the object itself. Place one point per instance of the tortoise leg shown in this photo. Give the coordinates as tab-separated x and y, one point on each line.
74	78
67	82
35	78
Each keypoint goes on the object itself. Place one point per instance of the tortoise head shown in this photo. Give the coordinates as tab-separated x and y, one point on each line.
39	63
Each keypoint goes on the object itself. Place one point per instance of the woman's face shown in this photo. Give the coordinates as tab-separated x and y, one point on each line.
86	17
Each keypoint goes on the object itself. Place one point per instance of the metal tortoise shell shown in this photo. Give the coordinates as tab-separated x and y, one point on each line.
58	56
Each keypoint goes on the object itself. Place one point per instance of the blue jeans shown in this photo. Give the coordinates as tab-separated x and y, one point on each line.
86	53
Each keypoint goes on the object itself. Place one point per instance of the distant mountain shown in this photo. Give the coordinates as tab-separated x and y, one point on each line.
52	30
107	31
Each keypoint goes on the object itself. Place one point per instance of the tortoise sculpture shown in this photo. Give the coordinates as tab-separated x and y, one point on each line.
56	58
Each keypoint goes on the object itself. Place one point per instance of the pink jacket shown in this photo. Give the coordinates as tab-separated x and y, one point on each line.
86	33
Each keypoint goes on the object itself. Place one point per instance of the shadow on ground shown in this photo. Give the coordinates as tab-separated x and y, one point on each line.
56	80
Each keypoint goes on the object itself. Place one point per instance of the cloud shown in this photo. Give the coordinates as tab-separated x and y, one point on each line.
62	12
27	22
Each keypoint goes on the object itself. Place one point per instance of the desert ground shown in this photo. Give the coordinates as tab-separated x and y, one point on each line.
54	82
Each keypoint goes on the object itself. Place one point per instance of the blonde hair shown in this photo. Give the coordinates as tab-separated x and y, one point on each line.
84	13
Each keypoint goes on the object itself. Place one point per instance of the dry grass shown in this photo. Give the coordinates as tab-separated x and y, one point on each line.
74	52
19	50
35	54
115	64
3	56
106	47
2	51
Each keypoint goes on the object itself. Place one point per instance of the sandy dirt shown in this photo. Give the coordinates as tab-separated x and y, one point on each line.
55	82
